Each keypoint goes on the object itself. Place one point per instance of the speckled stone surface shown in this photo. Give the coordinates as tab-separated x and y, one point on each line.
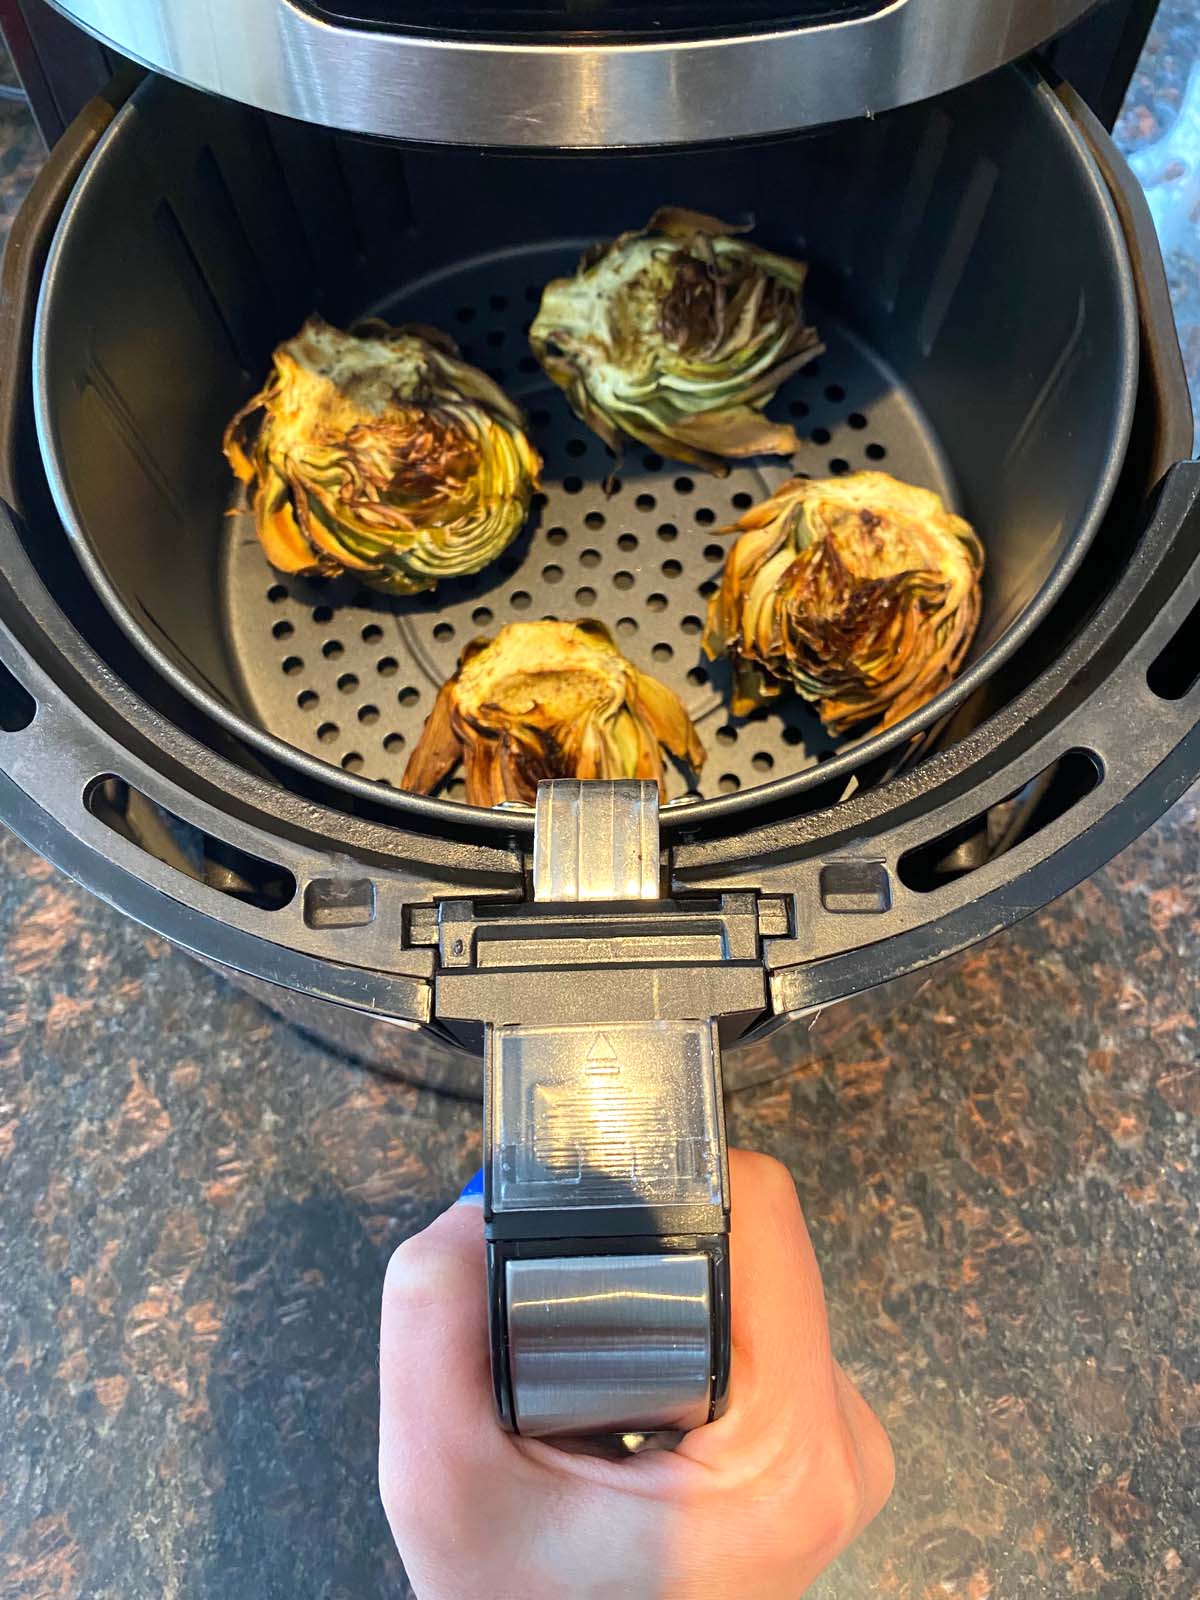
198	1203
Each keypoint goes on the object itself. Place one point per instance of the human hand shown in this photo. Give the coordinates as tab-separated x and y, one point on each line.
750	1507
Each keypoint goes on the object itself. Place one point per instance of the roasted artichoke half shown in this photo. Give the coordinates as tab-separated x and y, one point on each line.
548	700
678	335
379	452
861	593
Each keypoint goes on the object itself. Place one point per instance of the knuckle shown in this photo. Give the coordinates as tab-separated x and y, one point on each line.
770	1176
417	1272
839	1498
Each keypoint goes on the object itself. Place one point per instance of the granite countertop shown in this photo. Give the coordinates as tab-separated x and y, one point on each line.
1002	1182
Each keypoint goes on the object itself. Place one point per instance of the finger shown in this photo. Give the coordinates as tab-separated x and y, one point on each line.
782	1380
874	1450
435	1387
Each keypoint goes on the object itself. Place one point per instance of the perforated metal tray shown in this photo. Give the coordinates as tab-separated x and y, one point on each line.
350	677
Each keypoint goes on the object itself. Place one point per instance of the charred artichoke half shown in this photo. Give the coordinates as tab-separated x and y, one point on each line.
861	593
678	335
381	453
548	700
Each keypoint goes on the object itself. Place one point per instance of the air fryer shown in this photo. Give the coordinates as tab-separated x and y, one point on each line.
217	749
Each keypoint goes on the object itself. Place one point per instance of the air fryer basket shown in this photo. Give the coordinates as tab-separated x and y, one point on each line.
970	281
318	887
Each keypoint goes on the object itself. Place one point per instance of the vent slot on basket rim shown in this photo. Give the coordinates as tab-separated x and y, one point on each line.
1044	800
17	706
187	849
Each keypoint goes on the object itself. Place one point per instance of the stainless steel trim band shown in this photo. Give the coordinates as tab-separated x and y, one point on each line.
278	57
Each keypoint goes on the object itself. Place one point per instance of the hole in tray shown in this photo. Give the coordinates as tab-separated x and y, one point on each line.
876	452
856	420
714	552
17	706
368	714
835	392
671	569
387	666
645	502
408	696
332	649
292	665
627	542
820	436
698	676
1175	670
322	614
792	735
282	630
741	501
585	596
707	588
307	699
347	682
576	447
393	743
705	516
589	558
729	783
352	762
276	593
626	625
684	485
481	616
556	536
623	580
662	652
520	600
1044	800
799	408
667	531
726	735
186	849
572	485
442	631
656	602
594	520
465	314
552	574
762	761
691	625
839	467
372	633
328	732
